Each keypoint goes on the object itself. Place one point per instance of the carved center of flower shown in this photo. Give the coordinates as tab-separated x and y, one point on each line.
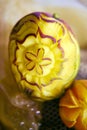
37	61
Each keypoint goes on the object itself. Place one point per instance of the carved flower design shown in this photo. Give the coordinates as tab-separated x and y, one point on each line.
73	106
37	61
44	55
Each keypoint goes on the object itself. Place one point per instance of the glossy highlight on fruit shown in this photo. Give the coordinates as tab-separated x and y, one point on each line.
73	106
44	55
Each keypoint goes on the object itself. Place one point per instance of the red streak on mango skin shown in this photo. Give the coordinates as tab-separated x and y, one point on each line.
46	36
67	26
38	14
59	46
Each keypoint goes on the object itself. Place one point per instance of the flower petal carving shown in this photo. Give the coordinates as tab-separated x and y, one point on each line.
37	61
30	56
30	66
39	69
40	53
46	61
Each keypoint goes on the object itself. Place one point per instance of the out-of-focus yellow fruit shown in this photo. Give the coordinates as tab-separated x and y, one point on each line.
73	106
44	55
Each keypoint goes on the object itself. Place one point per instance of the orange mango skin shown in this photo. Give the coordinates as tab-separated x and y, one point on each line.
73	106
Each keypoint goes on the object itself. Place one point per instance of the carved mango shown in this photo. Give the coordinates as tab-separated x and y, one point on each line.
44	55
73	106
